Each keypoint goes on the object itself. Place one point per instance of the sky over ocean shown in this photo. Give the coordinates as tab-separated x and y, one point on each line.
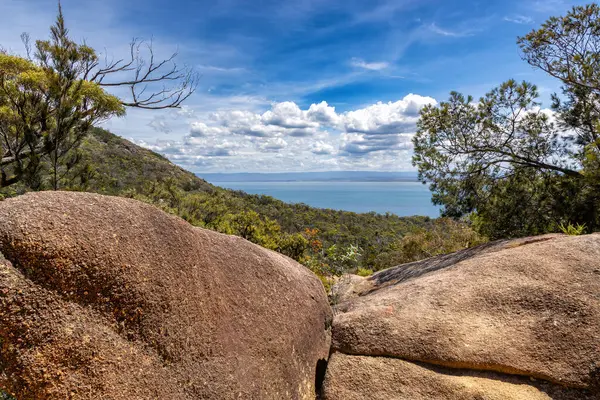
306	85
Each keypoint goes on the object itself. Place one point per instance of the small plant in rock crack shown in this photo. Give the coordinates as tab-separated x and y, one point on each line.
572	230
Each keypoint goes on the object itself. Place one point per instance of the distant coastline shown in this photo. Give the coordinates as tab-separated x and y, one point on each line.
403	198
330	176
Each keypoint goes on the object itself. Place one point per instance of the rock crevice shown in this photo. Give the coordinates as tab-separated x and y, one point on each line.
354	377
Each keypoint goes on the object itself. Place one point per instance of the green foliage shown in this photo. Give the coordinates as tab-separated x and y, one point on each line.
342	259
444	236
501	161
47	107
492	157
116	166
573	230
364	272
5	396
568	48
50	101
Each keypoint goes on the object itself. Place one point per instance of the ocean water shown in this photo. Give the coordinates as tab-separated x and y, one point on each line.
400	198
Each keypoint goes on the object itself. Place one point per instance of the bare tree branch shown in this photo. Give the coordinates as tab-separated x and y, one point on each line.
147	72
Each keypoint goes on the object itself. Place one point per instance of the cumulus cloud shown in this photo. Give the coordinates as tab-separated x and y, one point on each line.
372	66
275	144
281	120
287	115
199	129
323	113
287	137
386	118
322	148
288	119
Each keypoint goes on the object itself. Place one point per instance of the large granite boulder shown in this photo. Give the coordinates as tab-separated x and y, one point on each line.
105	297
512	319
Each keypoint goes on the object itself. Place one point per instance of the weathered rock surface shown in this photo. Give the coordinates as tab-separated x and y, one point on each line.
506	312
349	286
110	298
383	378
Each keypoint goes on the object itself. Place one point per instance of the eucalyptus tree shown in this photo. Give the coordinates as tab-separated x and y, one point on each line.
512	167
50	99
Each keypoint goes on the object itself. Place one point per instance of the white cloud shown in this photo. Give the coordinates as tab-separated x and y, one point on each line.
160	124
323	113
286	137
322	148
244	123
287	115
198	129
447	32
274	144
519	19
283	119
372	66
386	118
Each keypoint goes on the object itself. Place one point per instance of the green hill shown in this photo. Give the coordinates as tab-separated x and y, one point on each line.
119	165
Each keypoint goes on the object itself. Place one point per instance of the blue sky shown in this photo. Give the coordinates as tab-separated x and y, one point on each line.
301	85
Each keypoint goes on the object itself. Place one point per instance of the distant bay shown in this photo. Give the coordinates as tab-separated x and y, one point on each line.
402	196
